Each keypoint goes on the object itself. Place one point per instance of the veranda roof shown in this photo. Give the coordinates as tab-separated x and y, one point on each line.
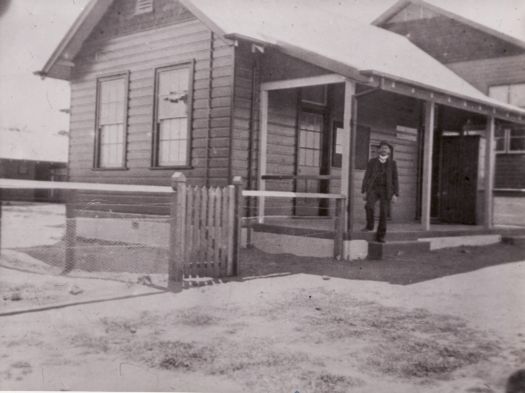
341	40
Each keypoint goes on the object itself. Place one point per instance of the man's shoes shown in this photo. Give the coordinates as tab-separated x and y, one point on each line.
380	239
366	229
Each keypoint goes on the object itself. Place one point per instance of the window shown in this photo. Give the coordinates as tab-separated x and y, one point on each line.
143	7
511	94
310	132
361	148
510	139
111	121
173	106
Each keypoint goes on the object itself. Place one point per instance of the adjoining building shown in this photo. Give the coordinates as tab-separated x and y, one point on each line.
23	155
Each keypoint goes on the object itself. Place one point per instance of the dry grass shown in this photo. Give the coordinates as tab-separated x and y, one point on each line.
371	339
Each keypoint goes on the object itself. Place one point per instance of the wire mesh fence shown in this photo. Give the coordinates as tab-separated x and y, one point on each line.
173	233
70	238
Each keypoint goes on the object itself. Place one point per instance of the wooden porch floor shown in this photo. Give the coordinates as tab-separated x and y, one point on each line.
324	228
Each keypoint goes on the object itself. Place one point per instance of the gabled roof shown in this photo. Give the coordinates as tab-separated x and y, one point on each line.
402	4
338	43
60	62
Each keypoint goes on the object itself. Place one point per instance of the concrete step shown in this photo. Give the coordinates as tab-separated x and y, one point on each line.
518	240
396	248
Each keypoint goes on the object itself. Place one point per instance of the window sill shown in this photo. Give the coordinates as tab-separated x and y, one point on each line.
511	152
161	168
110	169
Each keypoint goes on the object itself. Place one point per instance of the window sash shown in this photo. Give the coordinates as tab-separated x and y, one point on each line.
173	86
111	122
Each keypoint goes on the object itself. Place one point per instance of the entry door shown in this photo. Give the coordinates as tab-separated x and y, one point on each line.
309	152
458	179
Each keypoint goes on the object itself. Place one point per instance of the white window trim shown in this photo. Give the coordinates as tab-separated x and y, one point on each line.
506	144
190	66
97	141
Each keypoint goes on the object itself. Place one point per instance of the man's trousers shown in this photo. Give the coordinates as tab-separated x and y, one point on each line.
374	195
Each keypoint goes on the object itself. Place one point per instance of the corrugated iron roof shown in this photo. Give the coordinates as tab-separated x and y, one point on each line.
347	41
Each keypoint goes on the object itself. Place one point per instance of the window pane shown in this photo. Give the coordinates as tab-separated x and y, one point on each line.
173	142
500	144
517	132
500	93
112	146
173	93
517	95
172	115
517	144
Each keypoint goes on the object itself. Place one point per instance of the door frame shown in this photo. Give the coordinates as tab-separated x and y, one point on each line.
324	154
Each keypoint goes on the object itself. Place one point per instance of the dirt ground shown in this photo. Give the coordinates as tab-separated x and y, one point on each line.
451	320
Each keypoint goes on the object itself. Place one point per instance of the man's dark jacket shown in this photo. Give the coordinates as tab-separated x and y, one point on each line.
373	170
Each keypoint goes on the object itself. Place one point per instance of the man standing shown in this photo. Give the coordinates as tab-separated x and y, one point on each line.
380	184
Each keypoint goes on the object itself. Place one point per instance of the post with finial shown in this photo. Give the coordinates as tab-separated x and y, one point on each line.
177	229
236	228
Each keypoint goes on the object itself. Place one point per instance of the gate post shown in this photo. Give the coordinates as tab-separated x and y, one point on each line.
177	229
339	228
237	183
1	202
71	231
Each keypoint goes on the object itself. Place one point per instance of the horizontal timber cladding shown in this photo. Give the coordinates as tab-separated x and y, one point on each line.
382	112
138	45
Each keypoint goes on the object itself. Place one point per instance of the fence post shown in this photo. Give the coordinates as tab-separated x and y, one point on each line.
71	231
177	229
339	228
237	183
1	203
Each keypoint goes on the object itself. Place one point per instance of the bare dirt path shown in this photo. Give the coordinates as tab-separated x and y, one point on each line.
291	332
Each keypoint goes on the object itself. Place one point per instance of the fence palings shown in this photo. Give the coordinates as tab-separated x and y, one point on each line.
207	230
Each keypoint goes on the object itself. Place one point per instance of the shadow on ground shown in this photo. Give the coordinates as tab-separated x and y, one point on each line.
401	270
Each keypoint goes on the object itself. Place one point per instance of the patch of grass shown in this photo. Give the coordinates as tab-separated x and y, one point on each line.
327	382
173	355
423	358
196	317
399	342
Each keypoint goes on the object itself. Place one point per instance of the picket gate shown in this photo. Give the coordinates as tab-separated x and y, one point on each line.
205	230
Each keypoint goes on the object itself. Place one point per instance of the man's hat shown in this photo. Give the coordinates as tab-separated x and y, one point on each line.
384	143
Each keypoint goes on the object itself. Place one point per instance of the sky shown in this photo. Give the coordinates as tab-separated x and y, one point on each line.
31	29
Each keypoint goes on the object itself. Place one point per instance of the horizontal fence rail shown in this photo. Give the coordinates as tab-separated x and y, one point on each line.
190	232
339	213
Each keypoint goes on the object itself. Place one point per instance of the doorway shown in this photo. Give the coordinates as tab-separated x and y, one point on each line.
456	194
310	146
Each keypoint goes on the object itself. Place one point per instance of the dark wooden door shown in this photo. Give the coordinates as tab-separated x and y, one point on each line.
458	179
309	156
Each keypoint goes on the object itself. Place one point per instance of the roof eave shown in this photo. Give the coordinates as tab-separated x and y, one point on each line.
401	4
84	24
505	109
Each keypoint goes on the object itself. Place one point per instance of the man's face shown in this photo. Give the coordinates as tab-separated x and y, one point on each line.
384	151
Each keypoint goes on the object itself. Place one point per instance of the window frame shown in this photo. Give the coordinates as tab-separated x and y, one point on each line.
96	153
506	142
508	93
155	143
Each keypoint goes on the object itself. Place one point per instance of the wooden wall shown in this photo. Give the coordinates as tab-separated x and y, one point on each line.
123	42
382	112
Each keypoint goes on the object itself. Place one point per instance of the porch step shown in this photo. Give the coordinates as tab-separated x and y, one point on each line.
515	240
396	248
